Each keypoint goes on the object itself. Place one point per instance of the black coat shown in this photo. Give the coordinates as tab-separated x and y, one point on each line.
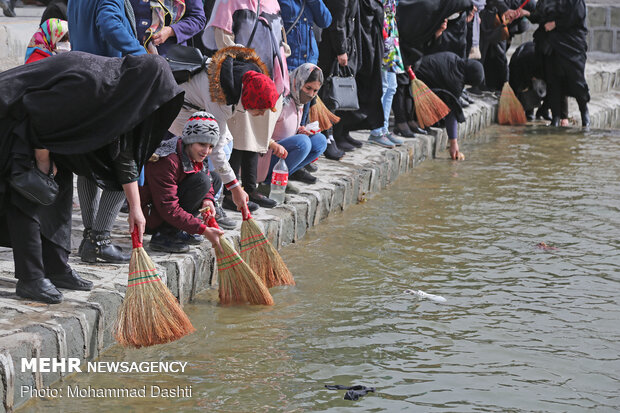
342	36
453	39
83	108
418	20
444	73
368	77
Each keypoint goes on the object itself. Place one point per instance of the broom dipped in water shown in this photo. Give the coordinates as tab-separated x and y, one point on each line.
319	112
429	108
150	314
258	252
510	110
238	283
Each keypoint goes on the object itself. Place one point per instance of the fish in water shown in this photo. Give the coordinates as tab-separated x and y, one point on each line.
422	294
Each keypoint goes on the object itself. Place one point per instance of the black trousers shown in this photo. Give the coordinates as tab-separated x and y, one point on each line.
564	78
191	192
34	255
245	164
402	105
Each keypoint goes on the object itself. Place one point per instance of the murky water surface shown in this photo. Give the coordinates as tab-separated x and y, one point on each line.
523	329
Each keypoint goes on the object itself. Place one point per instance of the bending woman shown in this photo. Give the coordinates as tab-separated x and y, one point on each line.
99	117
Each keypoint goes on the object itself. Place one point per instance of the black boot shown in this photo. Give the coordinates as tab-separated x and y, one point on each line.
585	114
100	247
352	141
555	121
543	113
529	114
85	238
333	152
343	145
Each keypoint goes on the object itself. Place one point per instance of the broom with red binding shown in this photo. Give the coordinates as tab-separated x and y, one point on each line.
238	283
319	112
510	110
429	108
150	314
261	255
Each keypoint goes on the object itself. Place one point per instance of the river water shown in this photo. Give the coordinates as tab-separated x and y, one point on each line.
523	328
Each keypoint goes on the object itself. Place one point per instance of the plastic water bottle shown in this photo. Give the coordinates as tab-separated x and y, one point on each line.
279	179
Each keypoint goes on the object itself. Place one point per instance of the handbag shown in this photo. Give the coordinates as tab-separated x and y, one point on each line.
184	61
36	186
340	89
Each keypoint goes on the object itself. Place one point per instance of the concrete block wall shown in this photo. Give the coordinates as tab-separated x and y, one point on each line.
604	28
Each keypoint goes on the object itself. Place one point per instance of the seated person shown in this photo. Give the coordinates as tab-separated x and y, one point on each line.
296	144
178	184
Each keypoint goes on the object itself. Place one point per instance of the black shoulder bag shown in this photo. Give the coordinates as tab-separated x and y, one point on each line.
340	89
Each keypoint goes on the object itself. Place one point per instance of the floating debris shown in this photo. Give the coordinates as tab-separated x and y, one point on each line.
544	246
422	294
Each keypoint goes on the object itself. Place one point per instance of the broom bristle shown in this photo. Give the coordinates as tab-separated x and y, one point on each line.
261	255
150	314
510	110
319	112
239	284
429	108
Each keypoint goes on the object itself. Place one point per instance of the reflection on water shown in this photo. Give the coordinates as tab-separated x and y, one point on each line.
523	328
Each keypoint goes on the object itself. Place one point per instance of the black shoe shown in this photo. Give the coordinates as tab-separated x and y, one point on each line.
8	7
352	141
262	200
71	281
190	239
555	121
99	247
333	152
167	243
39	290
463	102
417	129
475	90
85	238
311	167
222	220
405	133
125	207
345	146
466	96
303	176
529	114
228	203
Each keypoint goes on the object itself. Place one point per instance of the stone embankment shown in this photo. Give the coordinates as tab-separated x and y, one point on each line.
81	326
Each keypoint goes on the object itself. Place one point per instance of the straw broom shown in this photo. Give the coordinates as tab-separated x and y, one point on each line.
319	112
258	252
510	110
150	314
239	284
428	107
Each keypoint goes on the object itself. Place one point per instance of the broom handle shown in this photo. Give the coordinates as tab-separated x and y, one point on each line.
246	213
523	5
135	238
211	222
410	73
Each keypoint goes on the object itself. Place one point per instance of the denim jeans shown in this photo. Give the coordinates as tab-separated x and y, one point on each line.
302	149
389	90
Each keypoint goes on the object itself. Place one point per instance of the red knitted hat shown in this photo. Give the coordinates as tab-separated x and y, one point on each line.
259	91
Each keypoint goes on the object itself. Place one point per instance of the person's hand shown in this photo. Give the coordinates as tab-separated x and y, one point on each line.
136	219
454	149
278	150
444	26
343	59
163	35
550	26
304	131
523	13
510	15
213	236
471	14
240	197
208	208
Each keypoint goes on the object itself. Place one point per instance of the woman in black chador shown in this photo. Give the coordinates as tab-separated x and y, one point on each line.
99	117
561	39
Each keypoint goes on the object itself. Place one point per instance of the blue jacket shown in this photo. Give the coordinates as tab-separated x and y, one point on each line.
192	22
301	38
101	27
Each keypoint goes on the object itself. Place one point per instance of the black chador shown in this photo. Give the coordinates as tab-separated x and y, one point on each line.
564	52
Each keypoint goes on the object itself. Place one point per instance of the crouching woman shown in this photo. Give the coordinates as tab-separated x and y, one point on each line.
178	185
296	144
